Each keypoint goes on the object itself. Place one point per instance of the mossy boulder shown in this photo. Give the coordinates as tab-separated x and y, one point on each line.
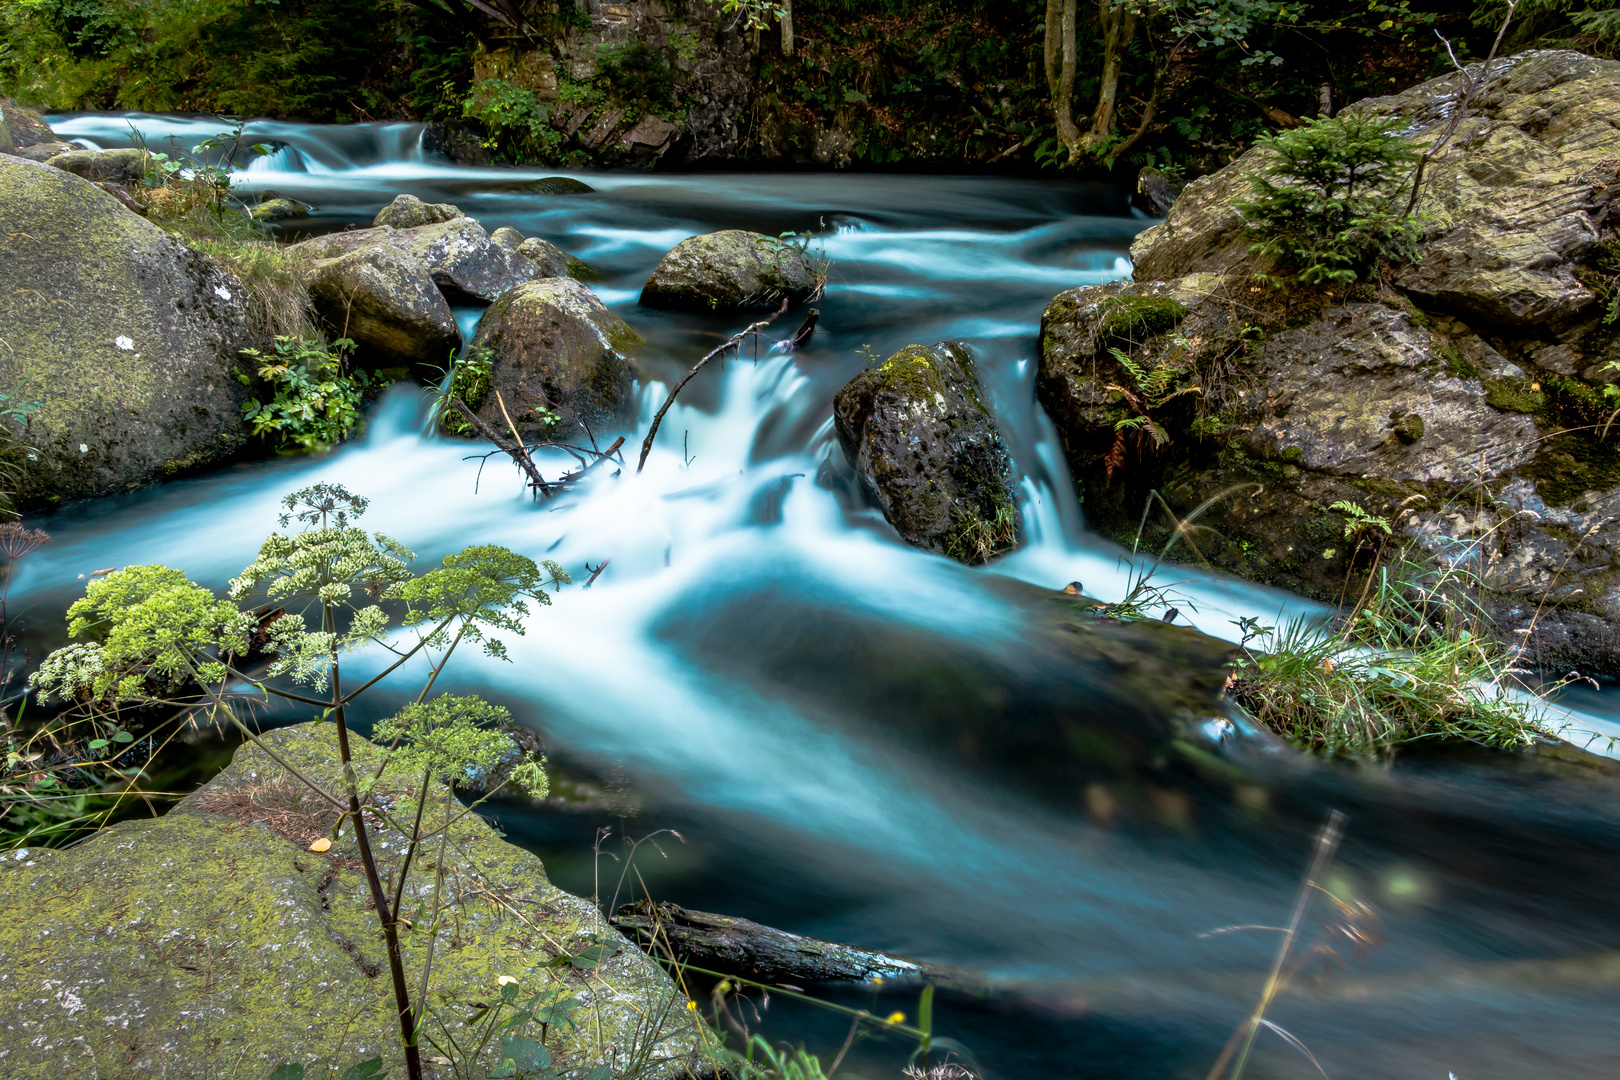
730	271
552	261
123	166
129	340
279	208
212	941
387	303
466	264
407	212
918	432
558	357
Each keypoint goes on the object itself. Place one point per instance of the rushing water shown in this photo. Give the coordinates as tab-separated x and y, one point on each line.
766	668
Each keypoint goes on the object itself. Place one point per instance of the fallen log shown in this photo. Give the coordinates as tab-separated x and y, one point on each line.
764	954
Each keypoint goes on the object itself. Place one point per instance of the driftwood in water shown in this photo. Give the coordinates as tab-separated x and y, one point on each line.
738	947
806	328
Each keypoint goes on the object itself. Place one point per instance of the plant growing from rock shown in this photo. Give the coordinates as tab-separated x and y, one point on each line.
316	403
153	638
1326	205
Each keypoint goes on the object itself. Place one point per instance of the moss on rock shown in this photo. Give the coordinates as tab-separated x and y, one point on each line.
211	942
128	339
729	271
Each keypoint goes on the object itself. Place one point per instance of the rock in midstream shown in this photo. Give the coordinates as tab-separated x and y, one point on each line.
388	304
925	445
127	338
730	271
554	346
465	263
1463	401
407	212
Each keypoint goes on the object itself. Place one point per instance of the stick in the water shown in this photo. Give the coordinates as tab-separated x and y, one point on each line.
734	342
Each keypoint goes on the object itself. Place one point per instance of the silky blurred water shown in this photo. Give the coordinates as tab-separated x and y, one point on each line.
765	667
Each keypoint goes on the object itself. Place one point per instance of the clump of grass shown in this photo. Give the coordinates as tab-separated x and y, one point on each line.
1414	659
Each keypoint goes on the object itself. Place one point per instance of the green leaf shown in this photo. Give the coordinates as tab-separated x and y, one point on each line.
97	744
370	1069
122	737
925	1011
292	1070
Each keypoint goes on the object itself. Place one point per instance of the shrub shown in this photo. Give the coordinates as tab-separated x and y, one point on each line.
1328	205
316	404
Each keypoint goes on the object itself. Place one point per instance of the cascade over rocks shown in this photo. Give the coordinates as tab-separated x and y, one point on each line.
407	212
928	453
554	346
1463	399
388	303
730	271
228	941
129	339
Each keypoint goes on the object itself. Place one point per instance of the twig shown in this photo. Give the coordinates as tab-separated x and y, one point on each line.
1471	89
605	455
733	342
597	572
527	462
523	461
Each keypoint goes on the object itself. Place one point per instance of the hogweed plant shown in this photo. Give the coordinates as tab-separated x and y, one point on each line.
150	638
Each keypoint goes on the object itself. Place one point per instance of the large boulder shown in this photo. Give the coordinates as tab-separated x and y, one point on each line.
1464	401
467	265
388	303
44	151
163	947
730	271
407	212
124	166
925	445
129	340
557	357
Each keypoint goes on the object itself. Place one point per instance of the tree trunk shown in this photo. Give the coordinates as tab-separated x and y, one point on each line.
1119	29
787	27
1060	17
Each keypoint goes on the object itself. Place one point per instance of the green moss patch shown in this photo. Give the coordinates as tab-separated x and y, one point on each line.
1136	318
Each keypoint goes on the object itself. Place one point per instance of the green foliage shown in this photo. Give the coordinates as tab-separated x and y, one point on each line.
1360	525
469	381
519	126
753	14
1415	660
1136	318
315	403
451	737
1329	203
480	586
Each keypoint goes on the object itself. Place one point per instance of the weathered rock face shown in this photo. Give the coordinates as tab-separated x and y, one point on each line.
552	261
926	448
407	212
44	151
114	166
170	947
128	338
388	303
732	270
554	346
1465	404
464	261
25	126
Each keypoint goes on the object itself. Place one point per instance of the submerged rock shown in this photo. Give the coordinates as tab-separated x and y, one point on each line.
557	357
407	212
388	303
163	947
927	451
552	261
117	166
279	208
729	271
1465	406
128	339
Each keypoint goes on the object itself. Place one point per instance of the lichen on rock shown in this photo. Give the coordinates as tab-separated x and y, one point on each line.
213	942
129	339
407	212
927	451
386	302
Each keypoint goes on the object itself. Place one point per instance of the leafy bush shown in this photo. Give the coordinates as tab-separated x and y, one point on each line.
518	125
316	404
1328	205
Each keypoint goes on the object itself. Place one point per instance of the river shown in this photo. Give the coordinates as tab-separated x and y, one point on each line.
765	668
